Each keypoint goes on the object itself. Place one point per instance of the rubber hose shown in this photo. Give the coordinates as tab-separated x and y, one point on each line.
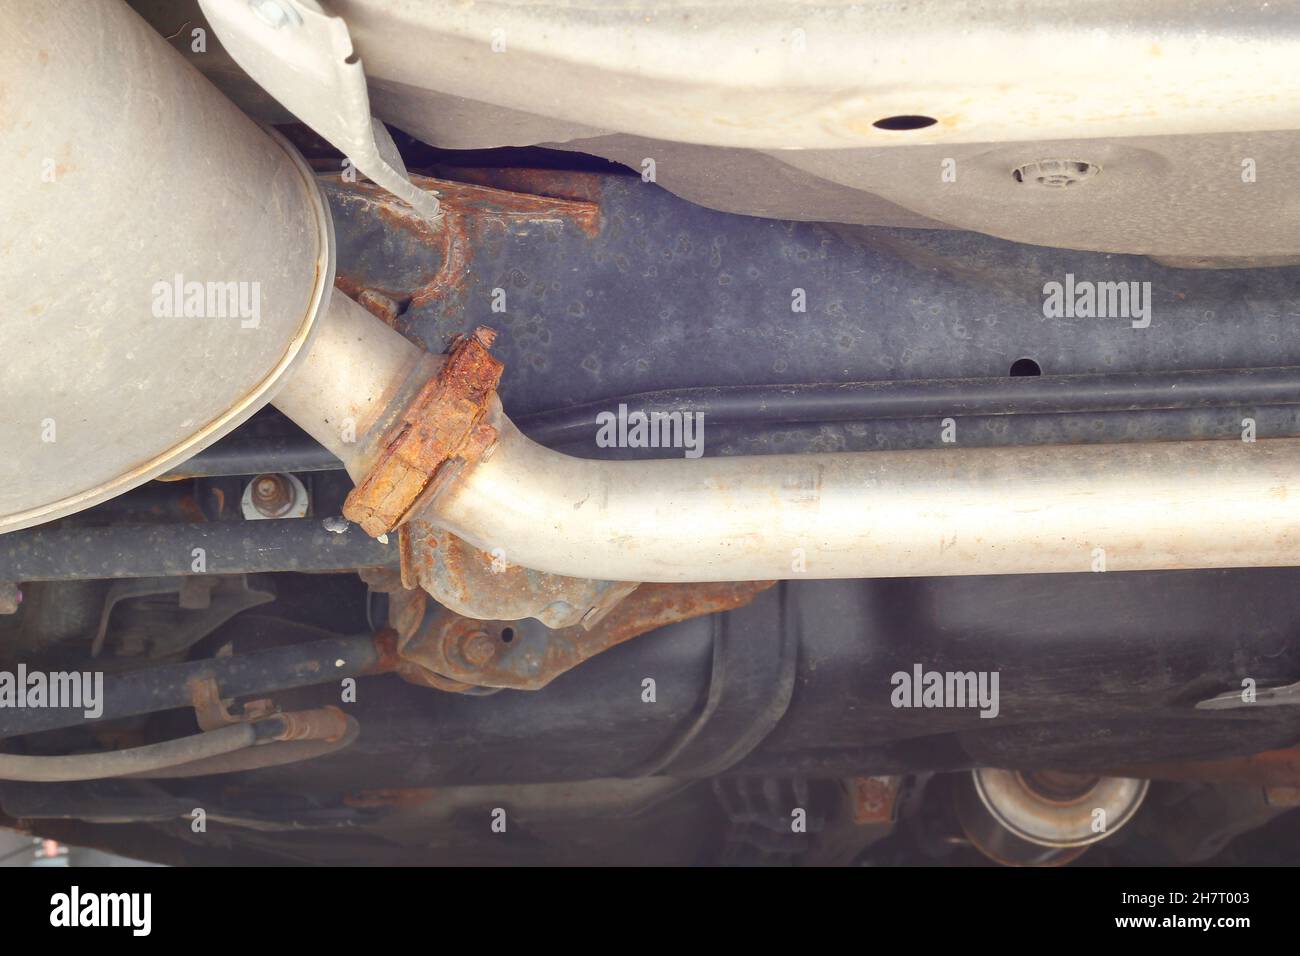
275	754
117	763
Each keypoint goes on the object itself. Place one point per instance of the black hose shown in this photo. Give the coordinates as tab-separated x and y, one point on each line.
835	402
939	398
167	687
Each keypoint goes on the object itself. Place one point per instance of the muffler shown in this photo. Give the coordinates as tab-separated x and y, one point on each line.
162	259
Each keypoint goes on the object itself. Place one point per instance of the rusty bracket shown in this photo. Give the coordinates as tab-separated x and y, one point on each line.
441	428
1269	768
474	583
875	800
450	652
212	712
329	724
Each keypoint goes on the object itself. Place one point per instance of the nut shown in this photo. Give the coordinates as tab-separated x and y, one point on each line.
477	648
272	495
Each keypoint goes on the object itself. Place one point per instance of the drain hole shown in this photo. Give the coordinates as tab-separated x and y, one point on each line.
904	122
507	634
1023	367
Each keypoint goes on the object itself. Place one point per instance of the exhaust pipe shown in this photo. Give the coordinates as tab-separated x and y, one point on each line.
143	201
885	514
1121	507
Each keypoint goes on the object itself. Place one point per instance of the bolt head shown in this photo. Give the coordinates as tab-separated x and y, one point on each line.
272	495
477	648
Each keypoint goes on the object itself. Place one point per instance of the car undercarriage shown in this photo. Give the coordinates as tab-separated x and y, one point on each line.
651	433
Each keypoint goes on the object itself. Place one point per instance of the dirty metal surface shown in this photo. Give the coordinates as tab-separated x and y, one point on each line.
320	723
443	425
837	644
525	656
140	616
1271	768
590	280
167	550
476	584
417	264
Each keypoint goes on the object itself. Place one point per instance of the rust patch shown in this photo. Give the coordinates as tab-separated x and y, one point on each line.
442	425
875	799
209	709
476	584
191	510
574	187
1270	768
324	723
656	605
530	198
406	610
472	215
438	647
388	661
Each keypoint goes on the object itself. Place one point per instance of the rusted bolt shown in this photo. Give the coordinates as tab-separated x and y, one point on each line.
272	496
477	648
